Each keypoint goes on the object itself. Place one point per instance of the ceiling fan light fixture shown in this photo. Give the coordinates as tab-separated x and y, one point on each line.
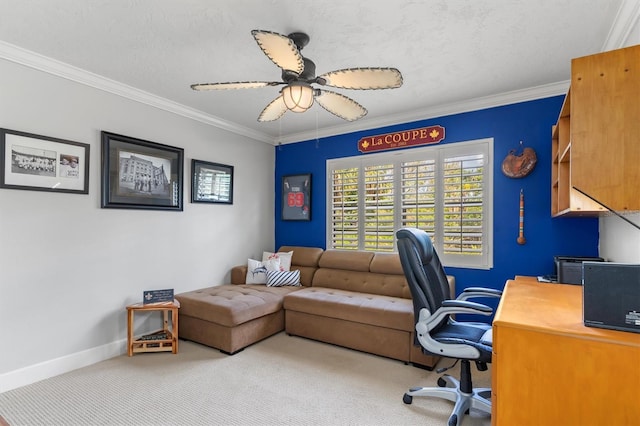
298	96
298	75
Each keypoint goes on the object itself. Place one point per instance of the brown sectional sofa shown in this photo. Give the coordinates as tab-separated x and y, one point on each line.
354	299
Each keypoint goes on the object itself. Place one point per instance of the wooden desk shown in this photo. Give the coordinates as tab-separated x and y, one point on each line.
163	340
549	369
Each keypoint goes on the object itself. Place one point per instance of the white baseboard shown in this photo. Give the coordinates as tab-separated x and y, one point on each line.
34	373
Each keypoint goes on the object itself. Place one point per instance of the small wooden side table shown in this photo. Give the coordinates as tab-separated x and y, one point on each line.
163	340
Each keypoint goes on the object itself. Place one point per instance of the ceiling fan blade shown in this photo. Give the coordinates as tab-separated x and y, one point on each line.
234	85
280	49
363	78
340	105
273	111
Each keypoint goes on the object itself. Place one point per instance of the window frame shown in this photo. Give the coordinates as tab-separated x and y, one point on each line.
438	152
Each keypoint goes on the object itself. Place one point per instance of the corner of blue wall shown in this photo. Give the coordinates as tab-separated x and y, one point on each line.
529	122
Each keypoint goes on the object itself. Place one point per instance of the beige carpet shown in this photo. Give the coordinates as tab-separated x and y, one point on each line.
282	380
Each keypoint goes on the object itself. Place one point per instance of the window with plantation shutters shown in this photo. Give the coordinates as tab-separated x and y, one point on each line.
379	207
418	194
344	215
445	190
463	201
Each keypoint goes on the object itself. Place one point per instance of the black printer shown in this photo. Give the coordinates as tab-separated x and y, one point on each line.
569	268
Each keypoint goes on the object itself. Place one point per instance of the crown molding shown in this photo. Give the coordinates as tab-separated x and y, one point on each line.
516	96
51	66
628	16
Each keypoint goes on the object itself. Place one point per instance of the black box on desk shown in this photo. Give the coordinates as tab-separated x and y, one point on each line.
611	296
569	269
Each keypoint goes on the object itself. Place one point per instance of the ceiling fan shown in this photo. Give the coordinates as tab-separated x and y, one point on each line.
299	76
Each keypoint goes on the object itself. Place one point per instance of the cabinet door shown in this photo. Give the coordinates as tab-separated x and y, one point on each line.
605	127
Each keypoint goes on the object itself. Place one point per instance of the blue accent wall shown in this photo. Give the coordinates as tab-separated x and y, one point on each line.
529	122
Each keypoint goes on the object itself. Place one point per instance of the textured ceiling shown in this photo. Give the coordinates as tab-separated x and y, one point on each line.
450	52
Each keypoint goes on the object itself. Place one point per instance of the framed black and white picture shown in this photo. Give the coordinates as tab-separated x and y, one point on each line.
42	163
211	182
296	197
139	174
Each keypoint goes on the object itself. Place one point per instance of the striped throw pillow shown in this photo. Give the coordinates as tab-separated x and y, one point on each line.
282	278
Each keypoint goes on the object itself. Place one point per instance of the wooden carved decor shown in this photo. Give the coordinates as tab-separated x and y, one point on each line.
519	165
521	239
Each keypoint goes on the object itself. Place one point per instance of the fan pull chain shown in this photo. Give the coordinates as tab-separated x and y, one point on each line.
317	141
279	135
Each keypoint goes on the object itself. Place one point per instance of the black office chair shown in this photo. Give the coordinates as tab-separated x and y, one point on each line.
440	334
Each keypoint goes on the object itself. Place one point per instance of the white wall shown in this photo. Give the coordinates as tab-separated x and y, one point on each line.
620	241
68	268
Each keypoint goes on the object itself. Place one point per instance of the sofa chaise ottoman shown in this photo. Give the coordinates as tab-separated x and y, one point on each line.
233	316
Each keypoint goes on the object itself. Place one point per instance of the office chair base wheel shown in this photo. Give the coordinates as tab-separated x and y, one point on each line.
442	382
453	420
407	399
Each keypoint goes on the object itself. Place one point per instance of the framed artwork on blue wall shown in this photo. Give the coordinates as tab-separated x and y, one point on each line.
296	197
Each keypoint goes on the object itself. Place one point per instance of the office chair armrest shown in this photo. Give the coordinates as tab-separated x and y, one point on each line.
470	292
451	307
478	308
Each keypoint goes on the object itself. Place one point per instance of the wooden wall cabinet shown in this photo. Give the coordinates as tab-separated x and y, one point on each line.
596	140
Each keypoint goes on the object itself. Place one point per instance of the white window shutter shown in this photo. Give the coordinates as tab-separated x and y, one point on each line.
445	190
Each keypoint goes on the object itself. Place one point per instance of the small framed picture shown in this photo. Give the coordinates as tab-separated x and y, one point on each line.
138	174
296	197
211	182
42	163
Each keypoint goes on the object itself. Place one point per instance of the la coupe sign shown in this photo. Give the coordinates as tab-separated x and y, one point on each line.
404	139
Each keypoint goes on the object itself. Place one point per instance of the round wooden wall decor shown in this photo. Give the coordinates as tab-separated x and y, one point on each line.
520	165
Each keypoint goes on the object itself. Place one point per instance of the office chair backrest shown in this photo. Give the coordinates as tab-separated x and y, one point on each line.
422	268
